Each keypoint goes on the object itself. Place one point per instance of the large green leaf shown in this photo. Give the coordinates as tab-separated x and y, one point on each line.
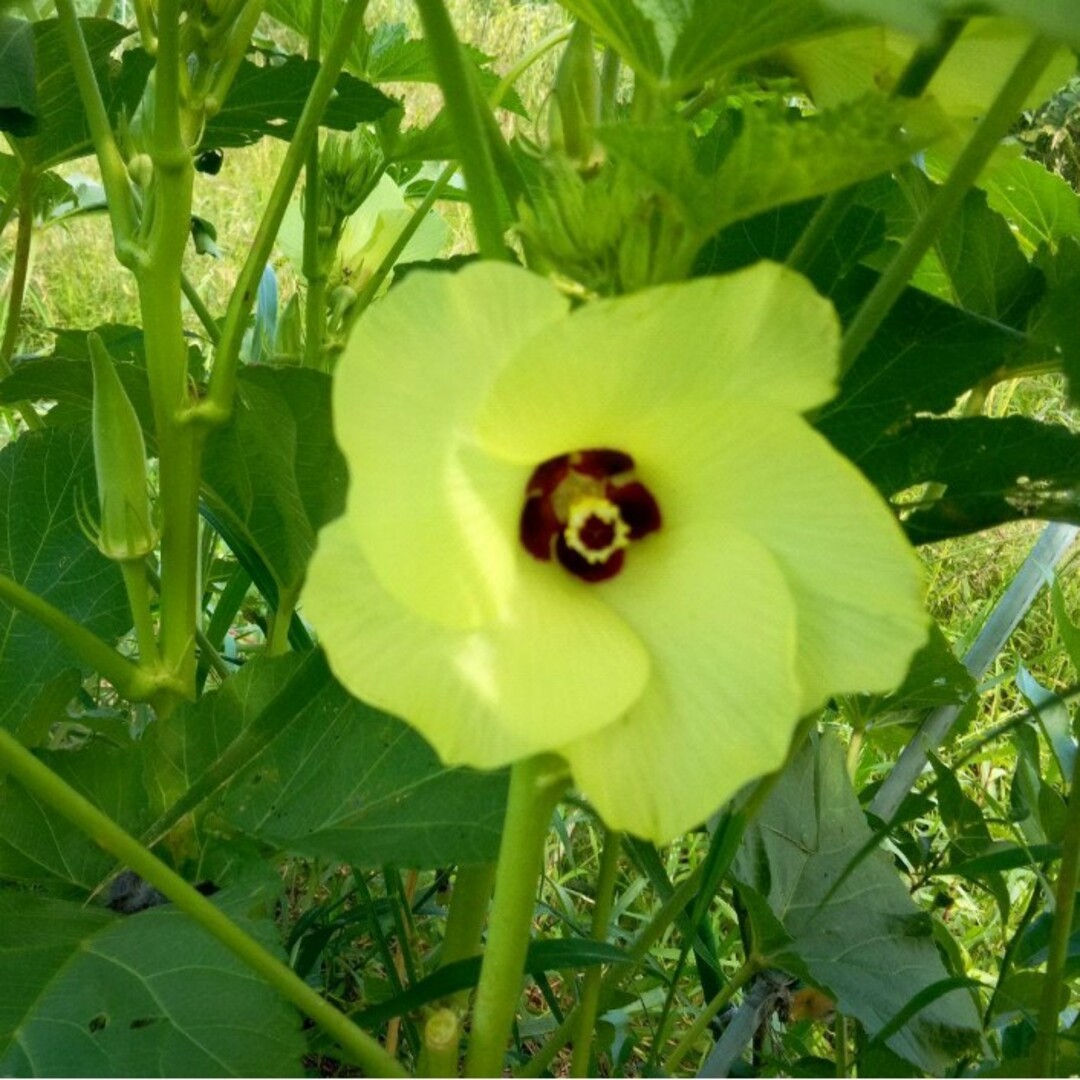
1056	18
858	935
1039	203
722	34
43	548
267	99
682	43
63	133
39	847
993	471
779	157
274	472
90	993
333	778
18	78
925	355
982	267
1056	321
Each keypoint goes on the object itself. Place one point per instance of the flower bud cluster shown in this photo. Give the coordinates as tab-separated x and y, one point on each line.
349	168
605	230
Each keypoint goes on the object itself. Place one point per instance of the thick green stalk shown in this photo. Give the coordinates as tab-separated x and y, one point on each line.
442	1039
130	680
1044	1052
54	792
114	176
535	786
179	445
985	140
464	104
750	967
216	407
589	1002
468	912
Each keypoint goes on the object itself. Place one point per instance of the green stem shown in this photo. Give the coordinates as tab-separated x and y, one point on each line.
468	912
235	50
216	407
129	679
138	591
520	66
589	1002
314	270
535	786
165	136
750	967
198	305
278	639
840	1043
145	20
114	178
19	274
985	140
442	1039
1044	1052
464	104
47	786
654	929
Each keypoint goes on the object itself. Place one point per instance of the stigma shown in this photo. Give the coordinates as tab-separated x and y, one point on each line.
584	509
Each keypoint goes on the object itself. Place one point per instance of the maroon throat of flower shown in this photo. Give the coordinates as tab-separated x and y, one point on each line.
584	509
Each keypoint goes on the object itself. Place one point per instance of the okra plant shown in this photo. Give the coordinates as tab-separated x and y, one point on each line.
508	650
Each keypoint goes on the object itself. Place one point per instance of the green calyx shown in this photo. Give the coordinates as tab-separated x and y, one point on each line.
575	111
126	530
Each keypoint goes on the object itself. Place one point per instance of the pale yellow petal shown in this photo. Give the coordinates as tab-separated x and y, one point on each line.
857	582
430	510
556	664
715	611
761	335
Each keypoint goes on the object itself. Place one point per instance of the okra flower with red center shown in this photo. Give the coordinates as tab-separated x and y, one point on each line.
607	533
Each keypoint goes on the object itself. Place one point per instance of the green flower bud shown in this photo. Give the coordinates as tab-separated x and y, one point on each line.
575	111
126	531
141	170
349	168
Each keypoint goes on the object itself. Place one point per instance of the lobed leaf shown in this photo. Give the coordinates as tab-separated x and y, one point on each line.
863	940
267	99
97	994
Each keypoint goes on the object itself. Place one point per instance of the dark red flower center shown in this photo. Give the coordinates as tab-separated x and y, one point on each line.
584	509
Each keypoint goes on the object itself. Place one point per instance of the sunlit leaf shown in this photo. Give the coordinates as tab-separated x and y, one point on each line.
1056	18
993	471
267	99
867	944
